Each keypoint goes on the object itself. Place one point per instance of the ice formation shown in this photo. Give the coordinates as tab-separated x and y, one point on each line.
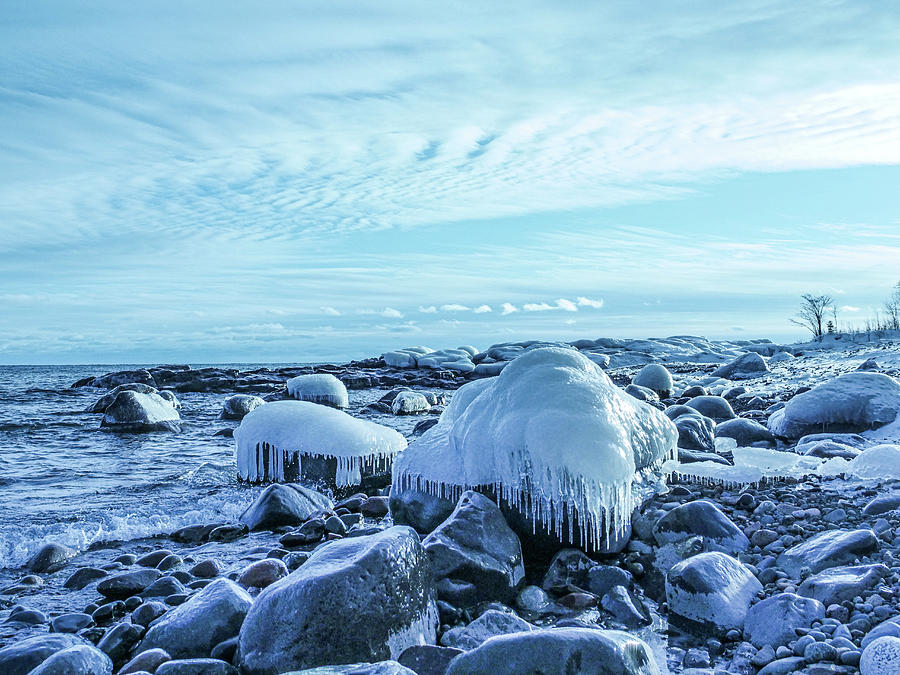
851	402
552	435
654	376
321	388
278	435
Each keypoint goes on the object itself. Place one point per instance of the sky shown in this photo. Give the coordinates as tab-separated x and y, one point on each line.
303	181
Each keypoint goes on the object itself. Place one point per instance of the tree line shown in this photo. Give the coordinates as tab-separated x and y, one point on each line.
819	315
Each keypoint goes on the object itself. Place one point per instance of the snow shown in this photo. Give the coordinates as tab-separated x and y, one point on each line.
321	388
551	434
881	462
851	402
289	430
655	377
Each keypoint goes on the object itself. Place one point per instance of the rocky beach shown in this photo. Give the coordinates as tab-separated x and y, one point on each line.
601	506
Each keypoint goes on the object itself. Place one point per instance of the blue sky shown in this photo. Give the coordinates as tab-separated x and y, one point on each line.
323	180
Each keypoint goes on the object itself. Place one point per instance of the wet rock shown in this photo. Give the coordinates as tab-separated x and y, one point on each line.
772	621
163	587
148	612
837	584
238	405
882	504
148	660
711	589
409	403
21	657
374	507
262	573
118	641
704	519
475	545
192	629
419	510
601	578
207	569
311	618
626	608
132	412
489	624
428	659
80	659
83	577
696	432
568	567
50	558
70	623
283	504
558	651
827	549
127	583
745	432
714	407
196	667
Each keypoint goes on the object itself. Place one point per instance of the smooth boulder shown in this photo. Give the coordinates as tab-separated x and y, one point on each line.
283	504
744	367
79	659
772	621
235	407
133	412
827	549
21	657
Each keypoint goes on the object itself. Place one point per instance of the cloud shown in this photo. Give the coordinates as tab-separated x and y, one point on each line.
454	308
566	305
587	302
431	309
507	308
537	307
391	313
849	308
330	311
482	309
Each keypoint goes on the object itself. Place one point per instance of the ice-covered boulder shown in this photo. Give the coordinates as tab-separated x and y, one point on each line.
744	367
553	438
106	400
880	462
355	599
656	377
405	358
780	357
286	440
320	388
237	406
133	412
409	402
852	402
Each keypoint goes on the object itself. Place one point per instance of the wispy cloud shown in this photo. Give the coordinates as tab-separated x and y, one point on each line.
508	308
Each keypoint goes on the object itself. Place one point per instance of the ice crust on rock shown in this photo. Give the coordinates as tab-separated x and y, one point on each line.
655	377
283	432
855	401
320	388
552	435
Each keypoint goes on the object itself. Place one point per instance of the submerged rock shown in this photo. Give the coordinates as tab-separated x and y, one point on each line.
312	617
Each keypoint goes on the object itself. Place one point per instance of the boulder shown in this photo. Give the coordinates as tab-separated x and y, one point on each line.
428	659
354	599
104	401
49	558
716	408
322	388
133	412
84	576
196	667
493	622
127	584
193	628
772	621
409	403
744	367
837	584
21	657
745	432
148	660
80	659
882	504
712	590
827	549
475	545
238	405
283	504
881	657
696	432
262	573
655	377
422	511
558	651
851	403
700	518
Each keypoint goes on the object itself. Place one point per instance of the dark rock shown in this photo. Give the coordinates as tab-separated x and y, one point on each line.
419	510
148	660
83	577
772	621
21	657
601	578
148	612
127	583
79	659
428	659
696	432
119	639
714	407
475	545
311	618
837	584
374	507
283	504
196	667
745	432
226	649
238	405
262	573
488	625
50	558
700	518
131	412
827	549
882	504
228	532
163	587
569	567
207	569
192	534
70	623
625	607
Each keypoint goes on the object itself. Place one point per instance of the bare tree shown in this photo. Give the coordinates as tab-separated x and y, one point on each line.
812	312
892	309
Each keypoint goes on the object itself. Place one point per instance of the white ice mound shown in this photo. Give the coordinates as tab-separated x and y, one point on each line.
552	435
881	462
852	402
656	377
321	388
280	434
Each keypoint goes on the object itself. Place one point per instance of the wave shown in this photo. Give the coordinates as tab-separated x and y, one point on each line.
18	544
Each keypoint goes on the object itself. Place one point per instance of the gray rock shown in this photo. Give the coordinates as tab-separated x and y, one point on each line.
163	587
428	659
128	583
148	612
119	639
744	367
772	621
106	400
262	573
558	651
192	629
379	668
569	566
714	407
312	617
489	624
238	405
83	577
836	584
419	510
785	666
881	657
696	432
148	660
700	518
827	549
21	657
80	659
882	504
626	608
887	627
70	623
196	667
601	578
828	449
745	432
475	545
132	412
712	590
50	558
283	504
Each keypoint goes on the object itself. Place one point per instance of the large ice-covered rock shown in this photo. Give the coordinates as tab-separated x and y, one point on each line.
356	599
655	376
134	412
405	358
852	402
104	401
744	367
319	388
287	440
552	437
